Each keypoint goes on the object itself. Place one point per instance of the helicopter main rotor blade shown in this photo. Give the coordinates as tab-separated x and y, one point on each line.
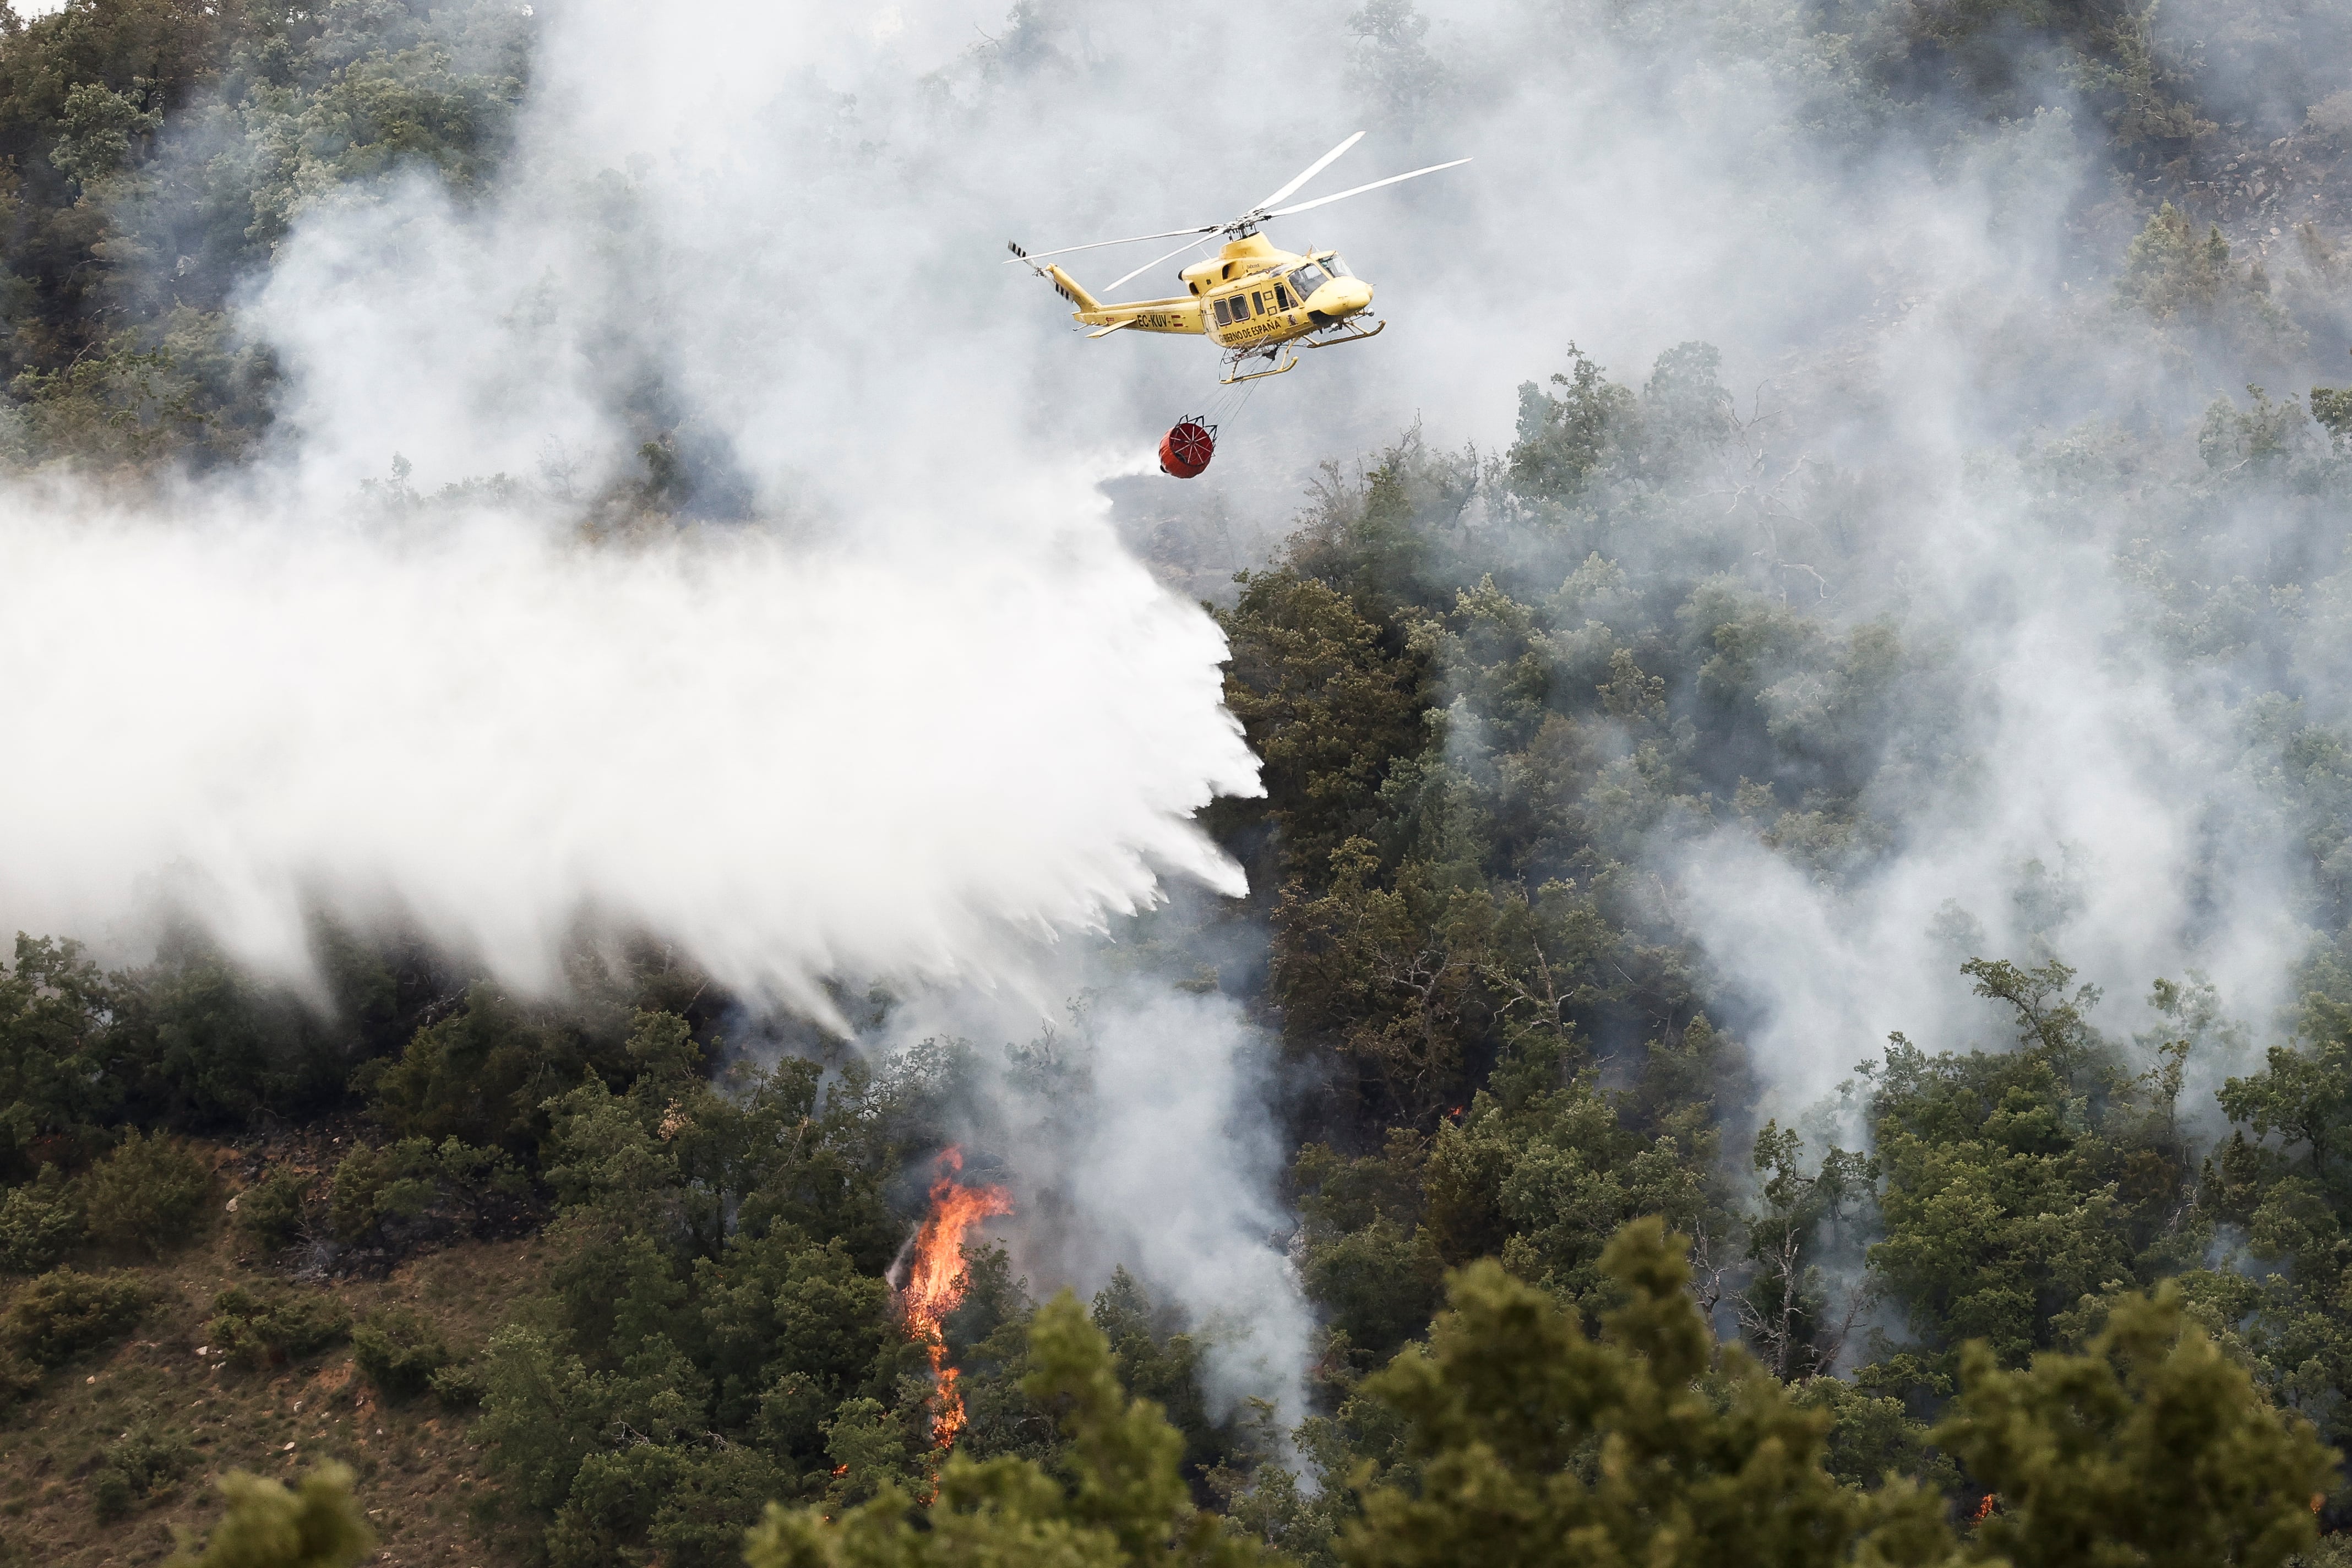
1313	169
1360	190
1130	239
1147	265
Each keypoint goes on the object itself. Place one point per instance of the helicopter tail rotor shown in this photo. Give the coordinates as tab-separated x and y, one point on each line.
1064	284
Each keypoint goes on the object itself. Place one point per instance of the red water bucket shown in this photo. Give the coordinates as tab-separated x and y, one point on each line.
1186	449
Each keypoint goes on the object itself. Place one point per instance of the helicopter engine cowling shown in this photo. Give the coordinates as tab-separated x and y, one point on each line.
1185	450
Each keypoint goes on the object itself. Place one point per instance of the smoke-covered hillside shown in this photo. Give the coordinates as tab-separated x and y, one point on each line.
1694	910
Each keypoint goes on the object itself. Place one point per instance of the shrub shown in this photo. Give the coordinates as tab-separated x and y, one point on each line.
399	1350
459	1385
19	1380
417	1185
397	1182
272	1326
135	1468
480	1075
279	1210
59	1315
148	1193
267	1526
40	1222
111	1497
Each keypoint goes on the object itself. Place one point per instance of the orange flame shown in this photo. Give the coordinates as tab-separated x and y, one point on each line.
935	1279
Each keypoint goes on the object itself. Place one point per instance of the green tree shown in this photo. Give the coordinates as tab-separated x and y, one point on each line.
1328	699
1390	978
316	1524
2283	1176
377	1192
150	1192
56	1316
480	1076
2153	1448
1565	437
1543	1167
1786	1311
40	1221
56	1010
1370	1263
2171	268
399	1350
2023	1188
1531	1443
2303	1094
1120	1500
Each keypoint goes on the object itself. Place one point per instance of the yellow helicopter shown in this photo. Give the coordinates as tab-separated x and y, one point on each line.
1253	300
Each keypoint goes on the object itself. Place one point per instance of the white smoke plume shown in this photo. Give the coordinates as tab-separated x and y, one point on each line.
1134	1134
897	704
904	698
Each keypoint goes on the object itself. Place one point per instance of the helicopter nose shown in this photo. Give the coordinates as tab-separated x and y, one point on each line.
1343	296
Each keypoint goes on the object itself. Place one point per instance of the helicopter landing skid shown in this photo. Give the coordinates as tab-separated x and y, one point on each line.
1354	334
1234	363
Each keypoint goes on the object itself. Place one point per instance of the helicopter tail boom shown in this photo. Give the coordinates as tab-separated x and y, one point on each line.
1067	288
1143	315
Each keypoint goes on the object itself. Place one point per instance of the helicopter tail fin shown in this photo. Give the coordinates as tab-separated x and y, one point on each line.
1067	288
1064	284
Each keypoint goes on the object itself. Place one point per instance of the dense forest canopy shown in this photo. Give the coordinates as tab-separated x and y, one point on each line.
1792	996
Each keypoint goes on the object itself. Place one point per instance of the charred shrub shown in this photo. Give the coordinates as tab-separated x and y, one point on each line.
400	1351
271	1327
62	1313
148	1193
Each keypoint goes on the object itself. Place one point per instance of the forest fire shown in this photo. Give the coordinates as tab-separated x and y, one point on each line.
935	1277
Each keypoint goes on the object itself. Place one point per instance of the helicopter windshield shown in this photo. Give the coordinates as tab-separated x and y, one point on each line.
1314	274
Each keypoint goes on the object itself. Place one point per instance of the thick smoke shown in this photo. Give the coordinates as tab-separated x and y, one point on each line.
1905	330
897	704
1134	1135
902	705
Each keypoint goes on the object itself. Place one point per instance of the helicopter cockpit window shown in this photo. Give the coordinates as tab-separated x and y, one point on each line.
1307	280
1336	267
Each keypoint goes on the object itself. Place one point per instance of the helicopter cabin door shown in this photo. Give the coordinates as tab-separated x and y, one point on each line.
1270	296
1232	312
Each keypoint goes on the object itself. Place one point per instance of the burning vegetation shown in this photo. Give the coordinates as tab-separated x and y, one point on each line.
936	1279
